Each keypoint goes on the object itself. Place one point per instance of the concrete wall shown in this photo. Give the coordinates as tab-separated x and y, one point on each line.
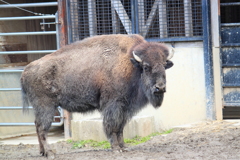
184	101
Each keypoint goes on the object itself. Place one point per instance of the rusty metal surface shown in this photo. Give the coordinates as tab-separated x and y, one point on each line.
63	40
62	19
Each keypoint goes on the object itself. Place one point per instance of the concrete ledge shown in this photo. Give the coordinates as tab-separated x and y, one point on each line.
93	128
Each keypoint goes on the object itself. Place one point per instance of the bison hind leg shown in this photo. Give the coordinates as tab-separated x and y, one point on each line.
43	120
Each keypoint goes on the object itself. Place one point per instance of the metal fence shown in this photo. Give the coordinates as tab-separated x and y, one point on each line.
159	20
5	79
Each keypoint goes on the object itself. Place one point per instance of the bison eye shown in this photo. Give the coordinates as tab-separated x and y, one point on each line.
146	68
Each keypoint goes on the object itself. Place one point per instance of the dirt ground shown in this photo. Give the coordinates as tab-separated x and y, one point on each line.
206	140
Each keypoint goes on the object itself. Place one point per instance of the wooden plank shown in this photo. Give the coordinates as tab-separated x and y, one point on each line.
92	20
151	16
163	19
127	24
188	18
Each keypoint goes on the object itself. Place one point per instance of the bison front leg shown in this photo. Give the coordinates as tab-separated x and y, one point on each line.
113	123
120	139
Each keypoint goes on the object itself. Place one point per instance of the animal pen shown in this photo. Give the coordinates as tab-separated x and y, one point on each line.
38	27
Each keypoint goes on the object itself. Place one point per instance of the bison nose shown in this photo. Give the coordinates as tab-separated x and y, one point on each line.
159	89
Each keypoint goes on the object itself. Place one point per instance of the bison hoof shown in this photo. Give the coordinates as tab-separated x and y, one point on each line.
120	150
125	149
49	154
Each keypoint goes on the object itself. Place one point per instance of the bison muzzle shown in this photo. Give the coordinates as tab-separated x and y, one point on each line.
114	74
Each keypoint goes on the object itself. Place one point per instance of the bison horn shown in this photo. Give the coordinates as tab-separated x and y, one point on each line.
171	53
136	57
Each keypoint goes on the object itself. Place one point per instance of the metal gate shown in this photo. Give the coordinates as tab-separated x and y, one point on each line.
155	20
18	70
230	58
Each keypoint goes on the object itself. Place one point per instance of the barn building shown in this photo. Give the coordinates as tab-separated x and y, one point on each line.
204	83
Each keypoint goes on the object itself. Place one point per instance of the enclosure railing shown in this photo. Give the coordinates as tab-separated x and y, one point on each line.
155	20
55	17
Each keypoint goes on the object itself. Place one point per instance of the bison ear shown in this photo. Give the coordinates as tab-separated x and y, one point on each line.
169	64
135	63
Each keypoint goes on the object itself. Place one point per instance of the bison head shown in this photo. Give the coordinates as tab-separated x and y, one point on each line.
152	59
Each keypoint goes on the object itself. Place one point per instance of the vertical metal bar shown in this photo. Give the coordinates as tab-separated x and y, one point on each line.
217	66
62	22
215	21
69	22
92	20
139	12
188	18
73	20
132	16
57	30
208	61
163	18
63	41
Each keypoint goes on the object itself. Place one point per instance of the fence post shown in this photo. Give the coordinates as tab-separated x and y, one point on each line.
188	18
163	19
208	61
63	40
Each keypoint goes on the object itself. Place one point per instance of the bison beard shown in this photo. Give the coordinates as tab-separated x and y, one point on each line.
114	74
156	100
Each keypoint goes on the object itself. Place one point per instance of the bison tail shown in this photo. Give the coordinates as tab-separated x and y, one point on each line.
24	99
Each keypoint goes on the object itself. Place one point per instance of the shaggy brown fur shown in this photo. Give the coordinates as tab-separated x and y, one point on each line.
97	73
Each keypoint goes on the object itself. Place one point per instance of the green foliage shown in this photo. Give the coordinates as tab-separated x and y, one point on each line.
69	141
138	140
91	143
105	144
168	131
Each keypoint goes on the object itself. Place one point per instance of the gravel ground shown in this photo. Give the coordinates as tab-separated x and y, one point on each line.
205	140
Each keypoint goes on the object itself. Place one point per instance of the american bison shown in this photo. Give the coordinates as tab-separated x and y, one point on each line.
114	74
